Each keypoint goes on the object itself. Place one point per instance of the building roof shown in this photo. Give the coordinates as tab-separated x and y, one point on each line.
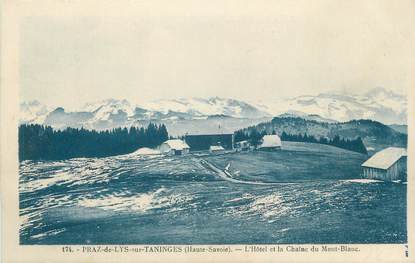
216	148
177	144
270	141
146	151
385	158
208	134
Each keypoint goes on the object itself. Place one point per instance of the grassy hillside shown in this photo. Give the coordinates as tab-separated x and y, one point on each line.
295	162
375	135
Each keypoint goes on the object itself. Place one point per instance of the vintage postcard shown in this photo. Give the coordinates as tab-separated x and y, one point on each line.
199	131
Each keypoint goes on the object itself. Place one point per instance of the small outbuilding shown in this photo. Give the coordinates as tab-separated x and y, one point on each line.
389	164
174	147
216	149
270	143
243	146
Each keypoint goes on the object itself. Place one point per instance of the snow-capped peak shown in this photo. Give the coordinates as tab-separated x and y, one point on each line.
377	104
206	107
32	112
104	109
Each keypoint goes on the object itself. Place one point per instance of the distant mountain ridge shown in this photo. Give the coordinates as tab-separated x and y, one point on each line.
213	115
302	115
377	104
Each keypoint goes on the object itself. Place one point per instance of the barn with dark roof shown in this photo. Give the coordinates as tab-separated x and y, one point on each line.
202	142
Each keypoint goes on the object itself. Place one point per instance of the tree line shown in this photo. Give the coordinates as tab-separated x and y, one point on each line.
255	137
38	142
355	145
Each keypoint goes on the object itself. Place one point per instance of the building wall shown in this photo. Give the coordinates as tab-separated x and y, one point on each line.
164	148
403	172
398	170
374	173
392	173
203	142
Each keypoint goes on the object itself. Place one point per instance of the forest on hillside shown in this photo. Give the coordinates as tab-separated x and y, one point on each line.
254	137
38	142
375	135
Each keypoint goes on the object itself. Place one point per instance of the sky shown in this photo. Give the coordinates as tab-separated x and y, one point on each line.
71	60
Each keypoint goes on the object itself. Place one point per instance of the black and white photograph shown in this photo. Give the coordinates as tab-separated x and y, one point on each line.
285	125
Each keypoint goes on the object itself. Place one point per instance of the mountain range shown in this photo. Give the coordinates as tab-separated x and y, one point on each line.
199	115
376	104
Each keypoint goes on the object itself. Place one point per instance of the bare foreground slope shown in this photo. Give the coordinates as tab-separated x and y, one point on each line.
303	194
